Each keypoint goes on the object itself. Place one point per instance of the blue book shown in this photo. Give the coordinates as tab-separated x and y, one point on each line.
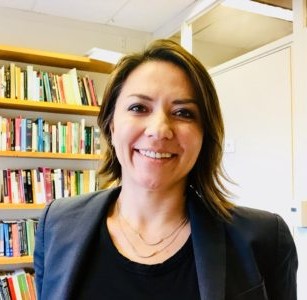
1	240
23	135
40	135
8	242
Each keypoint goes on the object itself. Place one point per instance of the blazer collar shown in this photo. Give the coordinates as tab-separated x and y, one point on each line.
208	238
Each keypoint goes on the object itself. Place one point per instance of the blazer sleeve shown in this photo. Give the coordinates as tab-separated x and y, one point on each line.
39	253
281	284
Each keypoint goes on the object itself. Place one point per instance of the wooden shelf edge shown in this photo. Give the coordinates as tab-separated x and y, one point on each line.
21	206
48	58
48	155
16	260
49	107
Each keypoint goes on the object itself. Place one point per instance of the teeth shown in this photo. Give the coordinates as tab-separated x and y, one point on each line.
153	154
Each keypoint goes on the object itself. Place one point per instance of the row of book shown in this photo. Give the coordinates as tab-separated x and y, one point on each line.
38	85
41	185
39	135
17	237
17	285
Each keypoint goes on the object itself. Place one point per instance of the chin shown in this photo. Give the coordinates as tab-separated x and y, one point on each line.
151	184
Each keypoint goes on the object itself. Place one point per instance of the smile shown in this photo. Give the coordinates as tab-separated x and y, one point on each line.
156	155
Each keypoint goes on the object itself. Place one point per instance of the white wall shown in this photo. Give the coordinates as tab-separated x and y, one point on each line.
38	31
256	103
263	100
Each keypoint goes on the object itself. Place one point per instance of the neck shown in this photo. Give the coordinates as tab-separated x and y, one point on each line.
148	203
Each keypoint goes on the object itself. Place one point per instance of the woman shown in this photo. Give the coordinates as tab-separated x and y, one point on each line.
168	231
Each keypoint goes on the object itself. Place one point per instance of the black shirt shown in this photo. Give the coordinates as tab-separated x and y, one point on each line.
107	274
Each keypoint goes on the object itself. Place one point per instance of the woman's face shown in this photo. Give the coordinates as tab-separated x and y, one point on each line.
156	128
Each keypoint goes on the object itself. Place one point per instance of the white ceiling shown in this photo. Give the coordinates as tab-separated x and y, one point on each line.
143	15
222	33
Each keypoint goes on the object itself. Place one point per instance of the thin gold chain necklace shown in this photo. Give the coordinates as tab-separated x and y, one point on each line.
155	252
183	221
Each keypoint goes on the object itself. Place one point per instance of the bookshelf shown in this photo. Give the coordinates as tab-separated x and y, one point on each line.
11	107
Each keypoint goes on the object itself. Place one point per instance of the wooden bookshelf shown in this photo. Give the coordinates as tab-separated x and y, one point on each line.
60	108
21	206
61	111
7	261
49	155
47	58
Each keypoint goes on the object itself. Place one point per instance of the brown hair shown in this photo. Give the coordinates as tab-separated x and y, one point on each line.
207	174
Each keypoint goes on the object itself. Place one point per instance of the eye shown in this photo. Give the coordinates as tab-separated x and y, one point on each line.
137	108
184	113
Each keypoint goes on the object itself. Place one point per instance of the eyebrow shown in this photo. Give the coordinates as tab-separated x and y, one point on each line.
176	101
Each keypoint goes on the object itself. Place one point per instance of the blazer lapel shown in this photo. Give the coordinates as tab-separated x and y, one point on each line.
208	238
66	259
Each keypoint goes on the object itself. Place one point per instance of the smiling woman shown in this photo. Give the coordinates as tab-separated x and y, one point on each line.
168	231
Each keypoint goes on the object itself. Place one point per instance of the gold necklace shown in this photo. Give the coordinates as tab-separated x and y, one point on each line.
141	236
175	234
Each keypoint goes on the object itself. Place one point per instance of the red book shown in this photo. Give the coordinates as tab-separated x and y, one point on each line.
31	286
92	92
9	186
47	183
11	288
16	241
17	133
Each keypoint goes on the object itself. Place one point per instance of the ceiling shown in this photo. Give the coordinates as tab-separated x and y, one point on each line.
223	32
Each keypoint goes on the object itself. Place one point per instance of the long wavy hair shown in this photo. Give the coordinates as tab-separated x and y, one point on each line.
207	175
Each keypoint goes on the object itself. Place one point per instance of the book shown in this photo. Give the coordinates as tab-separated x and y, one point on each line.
30	83
1	239
68	89
87	91
97	140
31	286
15	239
18	133
4	288
8	242
23	284
40	134
1	187
6	196
75	86
12	81
29	134
11	287
23	134
30	224
17	82
29	188
2	82
46	137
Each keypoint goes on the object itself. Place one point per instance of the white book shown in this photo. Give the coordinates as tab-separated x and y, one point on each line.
34	137
30	83
75	86
82	136
53	138
58	183
2	82
92	185
4	124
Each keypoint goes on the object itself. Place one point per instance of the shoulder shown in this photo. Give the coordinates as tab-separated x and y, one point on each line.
265	232
260	223
81	204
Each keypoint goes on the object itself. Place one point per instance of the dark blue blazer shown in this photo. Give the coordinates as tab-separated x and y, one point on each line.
253	257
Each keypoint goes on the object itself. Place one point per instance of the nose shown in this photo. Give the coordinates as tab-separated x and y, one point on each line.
159	127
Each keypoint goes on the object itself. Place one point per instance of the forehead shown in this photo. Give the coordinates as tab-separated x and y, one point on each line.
159	73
